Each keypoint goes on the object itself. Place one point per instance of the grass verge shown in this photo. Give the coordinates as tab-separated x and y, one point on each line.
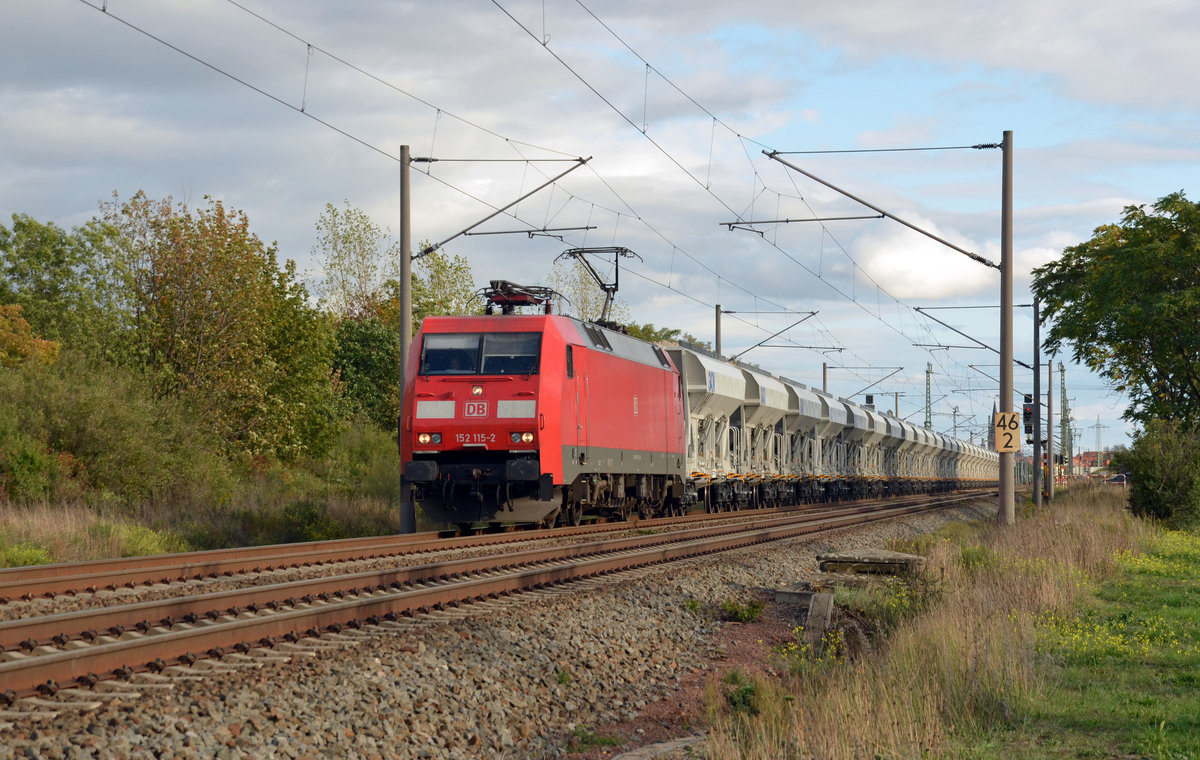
1072	634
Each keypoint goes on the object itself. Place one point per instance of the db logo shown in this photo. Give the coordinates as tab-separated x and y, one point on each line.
475	409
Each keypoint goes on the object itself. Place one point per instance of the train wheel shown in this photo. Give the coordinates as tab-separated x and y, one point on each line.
623	509
572	514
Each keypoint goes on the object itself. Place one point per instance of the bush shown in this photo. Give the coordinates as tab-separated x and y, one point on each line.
24	554
742	613
1164	467
25	469
86	425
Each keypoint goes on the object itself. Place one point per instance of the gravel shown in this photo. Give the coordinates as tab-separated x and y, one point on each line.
511	678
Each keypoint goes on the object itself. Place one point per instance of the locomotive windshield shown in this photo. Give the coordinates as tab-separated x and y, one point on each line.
481	353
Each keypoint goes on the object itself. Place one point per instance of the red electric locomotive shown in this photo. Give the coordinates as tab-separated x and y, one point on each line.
537	417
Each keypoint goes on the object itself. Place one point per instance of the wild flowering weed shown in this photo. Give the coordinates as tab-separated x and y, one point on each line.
1091	639
887	603
798	658
1079	640
1174	554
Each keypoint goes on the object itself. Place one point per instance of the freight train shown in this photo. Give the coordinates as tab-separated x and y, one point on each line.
542	418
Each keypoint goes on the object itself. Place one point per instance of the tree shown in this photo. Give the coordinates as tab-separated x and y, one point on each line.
584	298
358	261
63	282
1128	303
367	361
648	332
41	271
18	344
214	320
1164	463
441	284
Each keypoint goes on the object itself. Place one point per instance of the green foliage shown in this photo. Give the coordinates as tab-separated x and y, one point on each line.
798	658
25	469
979	557
885	604
367	361
66	284
693	606
441	284
357	259
740	695
1164	467
23	554
133	540
584	738
1128	302
213	319
563	677
363	463
300	409
41	270
85	425
353	491
742	613
651	334
1124	665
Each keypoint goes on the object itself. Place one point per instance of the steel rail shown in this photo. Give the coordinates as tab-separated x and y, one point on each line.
136	652
27	634
50	580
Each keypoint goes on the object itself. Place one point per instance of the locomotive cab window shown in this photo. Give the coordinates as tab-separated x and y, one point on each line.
511	353
450	354
480	353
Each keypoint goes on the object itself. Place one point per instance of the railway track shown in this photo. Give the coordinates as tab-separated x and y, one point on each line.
47	581
44	653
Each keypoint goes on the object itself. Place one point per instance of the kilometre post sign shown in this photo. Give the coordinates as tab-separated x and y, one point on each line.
1008	432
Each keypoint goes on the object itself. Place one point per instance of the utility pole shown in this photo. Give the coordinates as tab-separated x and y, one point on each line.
1037	410
1068	441
928	396
1050	430
408	511
717	343
1008	511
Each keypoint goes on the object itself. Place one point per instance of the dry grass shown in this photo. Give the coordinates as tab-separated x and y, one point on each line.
966	663
39	534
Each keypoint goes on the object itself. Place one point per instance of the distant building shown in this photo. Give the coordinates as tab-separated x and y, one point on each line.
1090	461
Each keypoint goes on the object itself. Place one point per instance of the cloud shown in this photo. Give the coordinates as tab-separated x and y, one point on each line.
912	266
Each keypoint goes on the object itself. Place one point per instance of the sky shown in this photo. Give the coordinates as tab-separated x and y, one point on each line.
279	108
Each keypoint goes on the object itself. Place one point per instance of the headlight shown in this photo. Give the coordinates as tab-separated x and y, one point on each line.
429	438
526	437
